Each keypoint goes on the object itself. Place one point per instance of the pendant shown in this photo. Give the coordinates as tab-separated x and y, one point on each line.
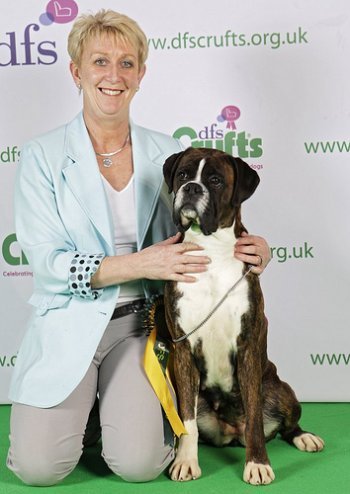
107	162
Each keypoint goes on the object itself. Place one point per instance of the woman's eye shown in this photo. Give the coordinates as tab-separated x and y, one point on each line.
127	64
100	61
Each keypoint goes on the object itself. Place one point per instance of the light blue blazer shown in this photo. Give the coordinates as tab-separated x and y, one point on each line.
61	209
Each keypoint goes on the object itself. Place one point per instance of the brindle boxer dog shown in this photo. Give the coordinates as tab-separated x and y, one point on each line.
228	390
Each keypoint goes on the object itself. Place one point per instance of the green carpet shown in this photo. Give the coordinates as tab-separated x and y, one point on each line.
296	472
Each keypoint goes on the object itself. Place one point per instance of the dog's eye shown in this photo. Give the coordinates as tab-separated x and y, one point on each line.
215	180
182	175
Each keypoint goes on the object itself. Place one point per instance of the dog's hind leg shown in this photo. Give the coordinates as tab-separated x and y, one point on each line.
292	433
282	408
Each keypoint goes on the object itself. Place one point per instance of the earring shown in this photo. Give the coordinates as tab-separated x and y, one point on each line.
138	88
79	86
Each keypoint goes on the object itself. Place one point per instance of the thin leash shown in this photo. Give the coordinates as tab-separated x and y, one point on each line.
185	336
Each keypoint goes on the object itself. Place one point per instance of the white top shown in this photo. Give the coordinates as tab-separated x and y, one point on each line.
122	206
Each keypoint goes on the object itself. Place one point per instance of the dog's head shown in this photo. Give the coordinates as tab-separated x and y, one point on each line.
209	187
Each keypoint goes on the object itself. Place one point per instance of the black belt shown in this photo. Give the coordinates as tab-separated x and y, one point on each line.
131	308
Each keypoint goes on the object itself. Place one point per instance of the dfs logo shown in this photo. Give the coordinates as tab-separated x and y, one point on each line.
230	140
11	252
21	49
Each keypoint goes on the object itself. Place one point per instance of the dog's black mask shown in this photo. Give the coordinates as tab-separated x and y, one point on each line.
209	187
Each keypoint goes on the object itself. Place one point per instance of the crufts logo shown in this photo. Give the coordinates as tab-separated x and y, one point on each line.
21	49
11	251
226	139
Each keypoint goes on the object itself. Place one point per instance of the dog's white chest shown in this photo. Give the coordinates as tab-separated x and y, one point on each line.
219	333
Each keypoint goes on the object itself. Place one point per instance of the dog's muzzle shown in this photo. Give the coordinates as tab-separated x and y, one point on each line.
193	190
190	204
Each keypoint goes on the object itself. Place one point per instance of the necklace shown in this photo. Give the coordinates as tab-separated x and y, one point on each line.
107	162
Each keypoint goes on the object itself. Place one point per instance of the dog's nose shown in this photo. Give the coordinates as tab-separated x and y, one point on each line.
193	188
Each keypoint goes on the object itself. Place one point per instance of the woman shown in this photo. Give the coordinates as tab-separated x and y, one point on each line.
93	218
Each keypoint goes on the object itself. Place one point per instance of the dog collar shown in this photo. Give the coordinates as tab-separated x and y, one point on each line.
195	228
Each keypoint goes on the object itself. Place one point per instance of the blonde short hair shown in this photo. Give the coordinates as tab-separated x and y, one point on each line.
106	22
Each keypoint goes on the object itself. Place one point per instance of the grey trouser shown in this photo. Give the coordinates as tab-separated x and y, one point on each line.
46	443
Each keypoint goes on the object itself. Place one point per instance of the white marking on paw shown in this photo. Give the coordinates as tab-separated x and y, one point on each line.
185	466
183	471
309	442
258	473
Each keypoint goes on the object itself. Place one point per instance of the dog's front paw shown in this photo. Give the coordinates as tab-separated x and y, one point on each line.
309	442
182	470
258	474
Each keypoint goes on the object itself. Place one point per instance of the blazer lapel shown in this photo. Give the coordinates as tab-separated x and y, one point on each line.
148	159
83	177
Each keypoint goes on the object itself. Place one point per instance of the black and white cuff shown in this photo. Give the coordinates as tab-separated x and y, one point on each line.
82	268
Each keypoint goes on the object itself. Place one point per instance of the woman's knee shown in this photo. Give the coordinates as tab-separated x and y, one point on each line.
39	470
140	466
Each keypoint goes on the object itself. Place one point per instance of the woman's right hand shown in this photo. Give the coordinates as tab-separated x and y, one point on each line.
172	260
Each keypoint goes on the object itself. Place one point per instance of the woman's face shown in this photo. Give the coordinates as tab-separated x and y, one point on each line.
109	75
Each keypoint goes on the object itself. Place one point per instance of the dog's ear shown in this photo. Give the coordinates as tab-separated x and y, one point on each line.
169	169
246	181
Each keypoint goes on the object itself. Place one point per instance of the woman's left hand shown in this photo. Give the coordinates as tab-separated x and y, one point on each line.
253	250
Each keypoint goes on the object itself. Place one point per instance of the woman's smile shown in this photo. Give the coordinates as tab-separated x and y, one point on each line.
109	75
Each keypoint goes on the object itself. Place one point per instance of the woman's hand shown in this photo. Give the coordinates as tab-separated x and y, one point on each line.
253	250
167	261
171	260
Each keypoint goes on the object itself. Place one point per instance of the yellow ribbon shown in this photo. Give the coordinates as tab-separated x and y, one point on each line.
158	382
